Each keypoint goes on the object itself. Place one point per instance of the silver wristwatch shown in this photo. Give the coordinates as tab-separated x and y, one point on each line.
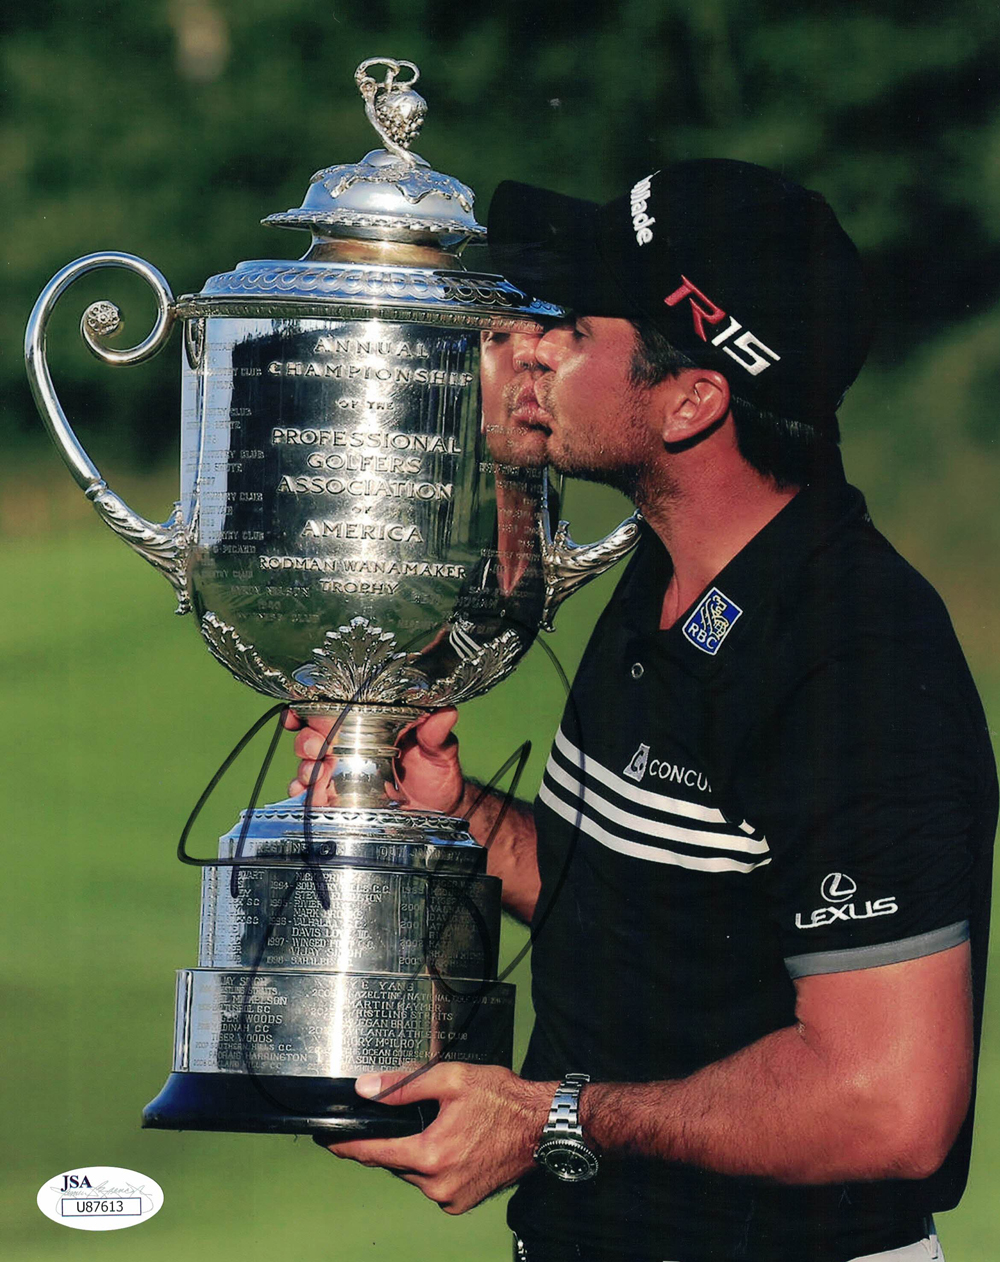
562	1150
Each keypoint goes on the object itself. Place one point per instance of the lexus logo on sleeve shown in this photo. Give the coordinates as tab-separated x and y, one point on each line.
835	889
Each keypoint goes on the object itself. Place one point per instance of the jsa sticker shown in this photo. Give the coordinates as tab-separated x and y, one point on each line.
100	1198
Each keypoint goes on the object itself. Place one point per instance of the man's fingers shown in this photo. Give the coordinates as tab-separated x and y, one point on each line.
393	1088
319	797
440	1082
434	732
318	792
310	723
314	773
312	744
376	1152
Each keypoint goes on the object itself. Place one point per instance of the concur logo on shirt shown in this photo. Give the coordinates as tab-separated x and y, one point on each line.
711	621
636	768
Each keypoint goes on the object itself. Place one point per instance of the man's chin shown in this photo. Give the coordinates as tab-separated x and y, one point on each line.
624	479
523	448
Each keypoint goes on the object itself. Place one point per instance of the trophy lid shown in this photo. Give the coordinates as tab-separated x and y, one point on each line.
391	194
386	234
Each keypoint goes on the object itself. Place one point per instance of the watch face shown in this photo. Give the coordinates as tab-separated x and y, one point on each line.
568	1159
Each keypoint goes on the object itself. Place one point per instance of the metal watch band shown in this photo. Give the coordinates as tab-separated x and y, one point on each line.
562	1150
564	1115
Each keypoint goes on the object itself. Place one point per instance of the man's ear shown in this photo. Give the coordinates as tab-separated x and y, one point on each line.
693	404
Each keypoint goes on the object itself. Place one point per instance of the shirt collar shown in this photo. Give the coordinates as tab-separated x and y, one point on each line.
711	629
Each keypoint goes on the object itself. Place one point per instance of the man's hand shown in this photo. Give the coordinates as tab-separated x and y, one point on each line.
481	1141
427	768
429	778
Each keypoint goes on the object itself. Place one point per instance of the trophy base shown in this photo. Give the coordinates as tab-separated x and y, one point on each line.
273	1104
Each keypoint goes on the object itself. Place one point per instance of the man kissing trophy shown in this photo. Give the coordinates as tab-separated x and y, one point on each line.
352	542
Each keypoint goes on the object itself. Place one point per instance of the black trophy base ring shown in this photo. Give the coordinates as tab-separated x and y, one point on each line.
274	1104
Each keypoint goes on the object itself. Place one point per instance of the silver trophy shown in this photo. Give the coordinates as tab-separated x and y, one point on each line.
363	533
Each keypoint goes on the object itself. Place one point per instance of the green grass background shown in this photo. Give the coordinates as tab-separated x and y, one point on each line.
114	714
115	719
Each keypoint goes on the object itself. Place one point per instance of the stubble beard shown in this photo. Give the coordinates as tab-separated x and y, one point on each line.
627	467
625	478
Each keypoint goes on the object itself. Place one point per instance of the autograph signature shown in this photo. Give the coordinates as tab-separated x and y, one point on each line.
318	854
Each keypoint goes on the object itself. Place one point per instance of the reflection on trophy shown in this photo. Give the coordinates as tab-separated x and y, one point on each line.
355	536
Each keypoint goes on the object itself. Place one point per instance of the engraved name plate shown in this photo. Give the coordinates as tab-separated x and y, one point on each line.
335	1025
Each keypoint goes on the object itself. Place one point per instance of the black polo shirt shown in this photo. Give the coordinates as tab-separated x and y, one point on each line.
796	778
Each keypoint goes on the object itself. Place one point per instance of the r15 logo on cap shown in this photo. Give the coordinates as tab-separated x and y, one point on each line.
705	311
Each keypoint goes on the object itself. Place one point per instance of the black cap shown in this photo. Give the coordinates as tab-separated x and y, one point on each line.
741	269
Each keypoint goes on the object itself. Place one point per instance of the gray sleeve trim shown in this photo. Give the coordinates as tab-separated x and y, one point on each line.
875	956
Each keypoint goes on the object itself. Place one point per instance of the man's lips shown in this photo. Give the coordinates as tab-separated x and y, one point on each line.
528	411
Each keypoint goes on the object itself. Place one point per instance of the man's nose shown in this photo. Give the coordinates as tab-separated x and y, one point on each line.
525	351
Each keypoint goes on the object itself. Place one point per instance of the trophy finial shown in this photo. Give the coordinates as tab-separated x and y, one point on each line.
394	109
391	195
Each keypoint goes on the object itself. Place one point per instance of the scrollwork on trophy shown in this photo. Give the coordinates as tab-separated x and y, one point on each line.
101	320
360	664
568	565
194	341
164	545
413	182
243	661
494	661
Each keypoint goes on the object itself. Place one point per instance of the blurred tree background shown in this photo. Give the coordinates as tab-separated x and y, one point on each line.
168	129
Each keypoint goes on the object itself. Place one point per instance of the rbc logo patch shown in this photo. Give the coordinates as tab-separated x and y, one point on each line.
711	622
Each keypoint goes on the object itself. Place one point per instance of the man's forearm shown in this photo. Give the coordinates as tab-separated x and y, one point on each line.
506	827
876	1088
768	1111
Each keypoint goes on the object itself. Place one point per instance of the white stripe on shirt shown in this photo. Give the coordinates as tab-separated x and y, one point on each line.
671	831
654	854
629	789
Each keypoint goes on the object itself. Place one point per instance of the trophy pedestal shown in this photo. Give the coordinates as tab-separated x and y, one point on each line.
371	947
328	1108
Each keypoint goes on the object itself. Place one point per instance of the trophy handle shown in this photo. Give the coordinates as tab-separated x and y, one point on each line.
567	565
165	545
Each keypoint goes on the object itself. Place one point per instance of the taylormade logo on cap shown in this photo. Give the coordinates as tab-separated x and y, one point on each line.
641	222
